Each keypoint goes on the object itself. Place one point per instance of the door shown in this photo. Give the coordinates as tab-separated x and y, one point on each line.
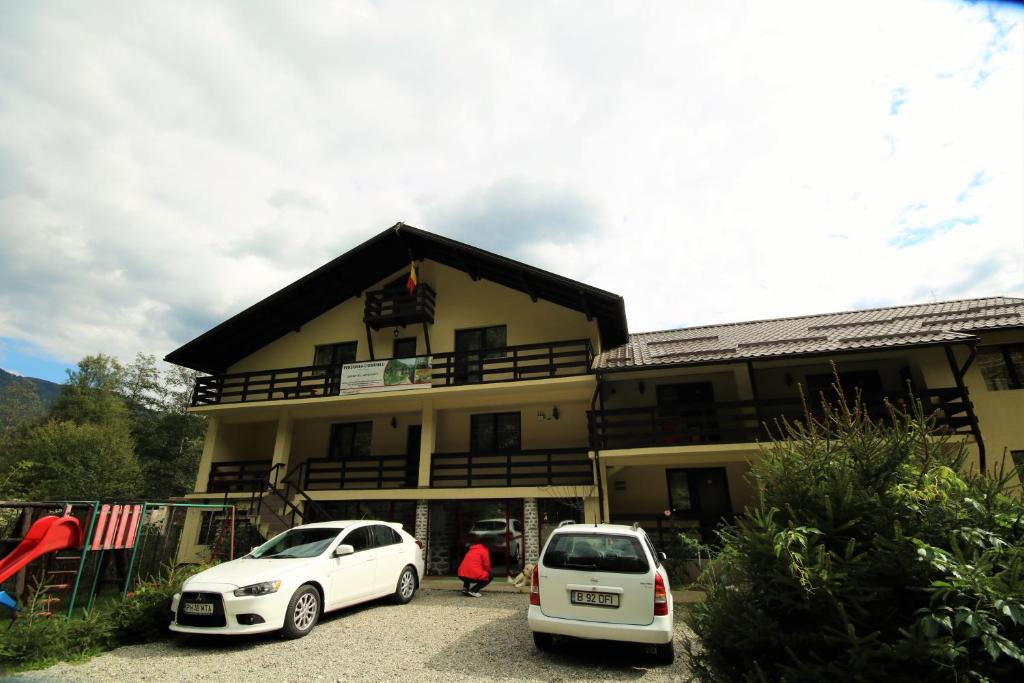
390	558
412	456
471	348
354	577
712	496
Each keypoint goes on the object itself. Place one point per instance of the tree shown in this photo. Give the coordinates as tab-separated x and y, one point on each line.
92	394
870	555
19	404
80	461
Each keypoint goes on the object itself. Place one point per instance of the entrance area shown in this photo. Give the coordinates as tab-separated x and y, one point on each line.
456	524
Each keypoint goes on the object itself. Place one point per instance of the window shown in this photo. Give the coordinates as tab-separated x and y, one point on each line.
596	552
680	498
1018	462
490	432
472	347
384	535
350	440
359	539
210	525
297	543
404	348
1002	366
335	354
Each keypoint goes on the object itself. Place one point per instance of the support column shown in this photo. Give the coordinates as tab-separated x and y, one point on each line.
602	472
531	530
422	521
283	442
209	447
428	440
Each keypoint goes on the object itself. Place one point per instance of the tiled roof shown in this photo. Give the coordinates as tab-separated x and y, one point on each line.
946	321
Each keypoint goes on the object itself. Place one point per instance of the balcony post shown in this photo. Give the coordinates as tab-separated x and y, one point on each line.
428	440
283	440
209	448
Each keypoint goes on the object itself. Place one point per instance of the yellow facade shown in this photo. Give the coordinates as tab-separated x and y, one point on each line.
629	482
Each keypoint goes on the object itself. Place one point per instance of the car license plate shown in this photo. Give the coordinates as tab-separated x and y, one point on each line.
198	608
595	599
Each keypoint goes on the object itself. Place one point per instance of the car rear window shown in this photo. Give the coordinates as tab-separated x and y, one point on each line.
596	552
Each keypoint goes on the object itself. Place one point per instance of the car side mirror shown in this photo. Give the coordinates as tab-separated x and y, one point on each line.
663	556
343	549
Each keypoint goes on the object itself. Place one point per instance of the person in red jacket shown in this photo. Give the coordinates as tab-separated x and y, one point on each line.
475	570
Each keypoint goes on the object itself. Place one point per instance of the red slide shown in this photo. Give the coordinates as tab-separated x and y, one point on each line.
45	536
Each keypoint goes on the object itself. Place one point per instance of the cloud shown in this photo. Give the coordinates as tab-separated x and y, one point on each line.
514	216
164	166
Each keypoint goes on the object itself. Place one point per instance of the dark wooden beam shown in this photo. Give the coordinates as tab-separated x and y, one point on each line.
464	264
586	305
526	286
426	337
369	341
968	406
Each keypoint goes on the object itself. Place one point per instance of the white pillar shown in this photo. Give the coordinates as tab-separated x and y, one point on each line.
209	448
283	442
428	440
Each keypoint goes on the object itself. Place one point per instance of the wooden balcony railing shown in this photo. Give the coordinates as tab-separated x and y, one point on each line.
238	475
450	368
395	306
537	467
743	421
370	472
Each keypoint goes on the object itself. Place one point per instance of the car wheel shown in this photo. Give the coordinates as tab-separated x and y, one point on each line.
665	653
303	612
406	587
545	642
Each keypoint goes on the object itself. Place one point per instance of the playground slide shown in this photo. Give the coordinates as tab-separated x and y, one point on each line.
45	536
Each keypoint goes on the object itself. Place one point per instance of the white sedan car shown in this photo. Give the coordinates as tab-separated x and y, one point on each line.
293	578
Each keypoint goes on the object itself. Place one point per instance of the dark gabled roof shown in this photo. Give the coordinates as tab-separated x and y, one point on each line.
898	326
372	261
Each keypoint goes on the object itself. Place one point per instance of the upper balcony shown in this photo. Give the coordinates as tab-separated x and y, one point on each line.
746	421
394	306
444	369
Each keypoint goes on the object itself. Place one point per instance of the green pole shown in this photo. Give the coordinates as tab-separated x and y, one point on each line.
96	578
81	559
135	550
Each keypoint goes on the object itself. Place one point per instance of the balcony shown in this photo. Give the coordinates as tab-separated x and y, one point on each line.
394	306
537	467
741	421
369	472
238	475
506	364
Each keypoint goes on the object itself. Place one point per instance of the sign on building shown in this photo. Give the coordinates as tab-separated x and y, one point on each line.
385	375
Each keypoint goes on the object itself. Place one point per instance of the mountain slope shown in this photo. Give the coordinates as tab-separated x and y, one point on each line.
48	391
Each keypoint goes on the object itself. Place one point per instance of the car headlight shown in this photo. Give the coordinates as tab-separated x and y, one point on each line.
264	588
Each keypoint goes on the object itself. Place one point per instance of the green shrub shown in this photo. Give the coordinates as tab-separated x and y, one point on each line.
34	640
871	555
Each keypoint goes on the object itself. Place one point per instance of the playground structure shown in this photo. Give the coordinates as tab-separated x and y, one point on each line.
70	551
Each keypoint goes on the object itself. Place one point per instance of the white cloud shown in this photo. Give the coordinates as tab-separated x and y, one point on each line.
165	165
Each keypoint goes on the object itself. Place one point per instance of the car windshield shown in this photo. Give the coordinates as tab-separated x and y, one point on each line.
596	552
296	543
489	525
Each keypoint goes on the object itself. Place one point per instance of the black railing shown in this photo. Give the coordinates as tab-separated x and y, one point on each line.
370	472
449	368
745	421
537	467
396	306
238	475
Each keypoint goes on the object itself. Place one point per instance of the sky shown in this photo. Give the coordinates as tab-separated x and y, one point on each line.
165	165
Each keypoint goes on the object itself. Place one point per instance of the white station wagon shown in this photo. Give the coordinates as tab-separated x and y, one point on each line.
293	578
602	582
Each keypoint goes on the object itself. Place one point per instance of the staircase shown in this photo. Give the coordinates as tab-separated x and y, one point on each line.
278	503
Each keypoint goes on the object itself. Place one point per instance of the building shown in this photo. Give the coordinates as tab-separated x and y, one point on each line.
491	400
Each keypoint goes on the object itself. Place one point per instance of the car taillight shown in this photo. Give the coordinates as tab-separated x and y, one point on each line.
535	587
660	597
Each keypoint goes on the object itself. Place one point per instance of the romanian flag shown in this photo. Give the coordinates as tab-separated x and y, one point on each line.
410	284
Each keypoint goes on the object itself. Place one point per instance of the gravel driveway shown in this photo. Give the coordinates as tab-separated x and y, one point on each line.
439	636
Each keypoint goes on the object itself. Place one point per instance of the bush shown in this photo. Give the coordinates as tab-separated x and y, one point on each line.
870	556
34	641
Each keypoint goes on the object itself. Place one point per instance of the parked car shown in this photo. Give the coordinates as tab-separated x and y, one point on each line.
291	580
494	534
601	582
